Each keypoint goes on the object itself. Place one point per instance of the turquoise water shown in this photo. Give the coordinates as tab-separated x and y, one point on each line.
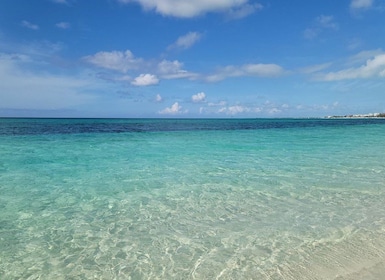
192	199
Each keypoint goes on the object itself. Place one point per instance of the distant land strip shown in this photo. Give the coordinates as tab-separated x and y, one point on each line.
371	115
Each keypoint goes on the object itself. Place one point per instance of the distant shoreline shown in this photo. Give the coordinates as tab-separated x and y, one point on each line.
358	116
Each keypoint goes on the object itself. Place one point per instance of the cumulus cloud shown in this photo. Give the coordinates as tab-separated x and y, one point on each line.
256	70
29	25
374	67
173	110
361	4
186	41
145	80
188	8
199	97
173	70
114	60
63	25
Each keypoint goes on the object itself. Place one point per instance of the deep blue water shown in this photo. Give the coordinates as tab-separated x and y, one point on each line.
65	126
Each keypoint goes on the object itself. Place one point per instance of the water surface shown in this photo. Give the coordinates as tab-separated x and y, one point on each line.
192	199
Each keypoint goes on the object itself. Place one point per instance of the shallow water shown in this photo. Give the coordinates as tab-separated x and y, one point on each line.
191	199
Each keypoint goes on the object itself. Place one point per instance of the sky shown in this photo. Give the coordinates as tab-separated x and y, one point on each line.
191	58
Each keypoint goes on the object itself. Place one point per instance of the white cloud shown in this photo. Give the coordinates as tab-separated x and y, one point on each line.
233	110
24	89
173	110
321	23
315	68
173	70
199	97
60	1
166	66
124	78
38	48
354	44
363	56
188	8
310	33
221	103
263	70
238	109
247	109
158	98
126	61
361	4
115	60
374	67
63	25
273	111
186	41
256	70
244	11
145	80
29	25
326	22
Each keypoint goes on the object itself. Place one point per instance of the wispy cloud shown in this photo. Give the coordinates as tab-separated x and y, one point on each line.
63	25
363	56
45	91
61	1
188	8
256	70
372	68
173	70
114	60
126	63
327	22
321	23
354	43
186	41
361	4
29	25
244	11
35	48
315	68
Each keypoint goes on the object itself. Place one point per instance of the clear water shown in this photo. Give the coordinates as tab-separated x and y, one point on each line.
192	199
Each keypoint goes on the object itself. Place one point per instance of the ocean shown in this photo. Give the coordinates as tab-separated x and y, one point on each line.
192	199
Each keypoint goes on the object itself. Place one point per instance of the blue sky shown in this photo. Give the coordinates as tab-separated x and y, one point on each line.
186	58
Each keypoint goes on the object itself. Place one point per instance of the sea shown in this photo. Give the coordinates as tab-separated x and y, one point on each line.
192	199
